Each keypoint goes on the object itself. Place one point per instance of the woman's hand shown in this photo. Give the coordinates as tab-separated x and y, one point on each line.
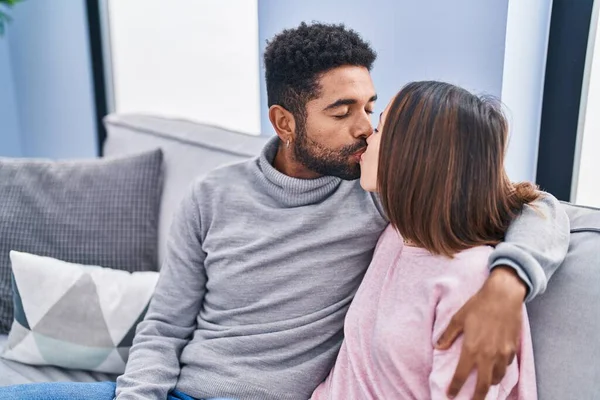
491	323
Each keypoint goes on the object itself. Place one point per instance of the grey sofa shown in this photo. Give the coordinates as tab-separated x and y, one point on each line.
565	320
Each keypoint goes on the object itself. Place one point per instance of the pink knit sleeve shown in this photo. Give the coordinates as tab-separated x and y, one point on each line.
454	291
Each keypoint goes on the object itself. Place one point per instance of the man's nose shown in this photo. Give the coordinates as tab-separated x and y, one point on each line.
365	129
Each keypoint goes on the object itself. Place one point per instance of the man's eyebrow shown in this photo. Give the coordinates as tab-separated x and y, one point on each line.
339	103
346	102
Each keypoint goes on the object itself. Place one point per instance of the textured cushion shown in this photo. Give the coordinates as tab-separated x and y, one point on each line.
98	212
75	316
190	150
16	373
565	320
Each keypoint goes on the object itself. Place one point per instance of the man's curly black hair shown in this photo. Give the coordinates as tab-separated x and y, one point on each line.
295	58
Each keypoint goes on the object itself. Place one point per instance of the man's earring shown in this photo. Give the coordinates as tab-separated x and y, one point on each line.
287	144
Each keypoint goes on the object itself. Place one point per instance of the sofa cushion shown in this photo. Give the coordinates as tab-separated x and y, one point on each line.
75	316
190	150
16	373
565	320
97	212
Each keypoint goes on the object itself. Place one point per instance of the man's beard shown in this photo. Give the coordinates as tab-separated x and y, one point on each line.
325	161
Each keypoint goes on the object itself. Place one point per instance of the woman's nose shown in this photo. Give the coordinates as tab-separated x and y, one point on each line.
370	136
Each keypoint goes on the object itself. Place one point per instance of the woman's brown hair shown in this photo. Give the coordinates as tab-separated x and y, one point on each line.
441	169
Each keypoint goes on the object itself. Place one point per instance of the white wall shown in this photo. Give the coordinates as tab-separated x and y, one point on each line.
459	41
187	58
10	140
527	33
587	164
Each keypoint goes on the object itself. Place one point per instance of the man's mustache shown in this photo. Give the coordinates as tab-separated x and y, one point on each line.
353	149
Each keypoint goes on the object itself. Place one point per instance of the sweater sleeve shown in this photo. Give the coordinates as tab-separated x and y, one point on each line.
536	244
454	293
153	367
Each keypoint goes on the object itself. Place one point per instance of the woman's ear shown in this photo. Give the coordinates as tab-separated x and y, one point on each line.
283	122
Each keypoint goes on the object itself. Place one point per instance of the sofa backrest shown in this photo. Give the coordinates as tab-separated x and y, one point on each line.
565	320
190	150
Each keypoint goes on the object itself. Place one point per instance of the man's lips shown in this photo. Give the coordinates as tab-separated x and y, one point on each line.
358	154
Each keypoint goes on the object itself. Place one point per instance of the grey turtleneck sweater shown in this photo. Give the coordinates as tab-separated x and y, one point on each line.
259	273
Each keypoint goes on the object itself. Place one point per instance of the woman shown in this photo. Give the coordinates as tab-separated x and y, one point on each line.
436	159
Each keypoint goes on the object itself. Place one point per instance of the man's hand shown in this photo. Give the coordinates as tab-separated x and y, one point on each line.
491	323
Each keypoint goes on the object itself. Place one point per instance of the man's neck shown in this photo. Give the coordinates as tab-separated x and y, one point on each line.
286	163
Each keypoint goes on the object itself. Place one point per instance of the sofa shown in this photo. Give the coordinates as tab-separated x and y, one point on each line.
565	320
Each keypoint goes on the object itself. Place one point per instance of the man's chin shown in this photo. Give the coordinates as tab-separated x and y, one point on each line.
346	171
349	174
349	177
345	175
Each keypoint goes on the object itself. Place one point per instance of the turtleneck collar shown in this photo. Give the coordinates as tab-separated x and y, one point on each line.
291	192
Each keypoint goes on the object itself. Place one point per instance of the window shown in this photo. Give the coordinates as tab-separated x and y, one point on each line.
188	59
586	174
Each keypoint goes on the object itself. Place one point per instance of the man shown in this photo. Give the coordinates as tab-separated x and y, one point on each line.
265	256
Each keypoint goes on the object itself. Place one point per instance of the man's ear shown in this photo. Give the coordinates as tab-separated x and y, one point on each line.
283	122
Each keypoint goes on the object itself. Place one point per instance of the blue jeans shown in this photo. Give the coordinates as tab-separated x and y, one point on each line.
70	391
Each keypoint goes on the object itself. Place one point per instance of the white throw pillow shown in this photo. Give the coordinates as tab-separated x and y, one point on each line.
75	316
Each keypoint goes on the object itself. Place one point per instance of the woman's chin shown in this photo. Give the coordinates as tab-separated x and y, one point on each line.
367	186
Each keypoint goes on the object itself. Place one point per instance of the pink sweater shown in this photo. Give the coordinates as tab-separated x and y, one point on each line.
406	300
